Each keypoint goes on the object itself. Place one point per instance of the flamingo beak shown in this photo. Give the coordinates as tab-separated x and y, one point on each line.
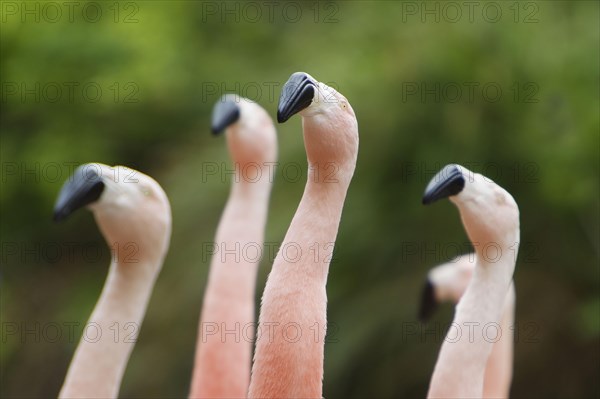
447	182
297	94
428	302
225	113
83	187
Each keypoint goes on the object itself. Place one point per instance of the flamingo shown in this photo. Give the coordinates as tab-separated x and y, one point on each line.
226	332
134	216
490	216
288	360
448	282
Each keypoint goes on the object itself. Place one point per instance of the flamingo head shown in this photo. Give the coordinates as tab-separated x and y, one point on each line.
330	125
489	213
249	129
446	282
131	208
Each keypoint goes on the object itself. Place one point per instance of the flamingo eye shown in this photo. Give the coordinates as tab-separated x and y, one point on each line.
146	191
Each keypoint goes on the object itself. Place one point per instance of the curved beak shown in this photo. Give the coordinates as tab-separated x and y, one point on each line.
297	94
428	302
225	113
83	187
447	182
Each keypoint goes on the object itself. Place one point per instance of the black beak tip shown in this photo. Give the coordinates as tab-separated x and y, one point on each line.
60	214
447	182
225	113
281	117
428	302
84	187
57	217
296	95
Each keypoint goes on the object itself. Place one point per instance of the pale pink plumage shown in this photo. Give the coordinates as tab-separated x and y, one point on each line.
450	280
134	217
223	358
491	219
288	362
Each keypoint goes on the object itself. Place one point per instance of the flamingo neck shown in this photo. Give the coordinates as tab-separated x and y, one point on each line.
289	353
112	330
498	372
459	371
226	331
253	184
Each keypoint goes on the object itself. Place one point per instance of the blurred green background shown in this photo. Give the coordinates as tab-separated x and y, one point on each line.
133	83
